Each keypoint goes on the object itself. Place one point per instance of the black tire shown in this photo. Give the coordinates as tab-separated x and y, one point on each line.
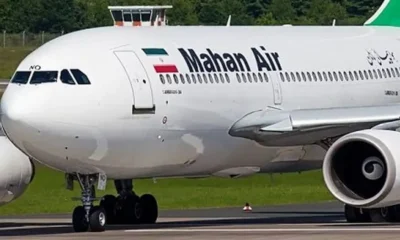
356	215
79	222
148	209
97	219
386	214
126	209
108	202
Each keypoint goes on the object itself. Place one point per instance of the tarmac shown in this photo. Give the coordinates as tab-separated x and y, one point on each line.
308	221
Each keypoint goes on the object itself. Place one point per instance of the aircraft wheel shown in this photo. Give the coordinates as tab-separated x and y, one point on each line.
385	214
97	219
108	202
354	215
148	209
126	209
79	221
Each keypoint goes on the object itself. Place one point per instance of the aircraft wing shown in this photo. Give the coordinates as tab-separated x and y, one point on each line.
274	127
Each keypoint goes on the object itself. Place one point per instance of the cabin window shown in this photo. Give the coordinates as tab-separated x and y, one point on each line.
351	76
370	74
282	77
346	76
309	76
210	78
266	77
379	73
238	78
319	76
244	78
216	78
127	17
227	78
199	79
260	77
314	76
80	77
162	79
188	78
44	77
182	78
355	75
330	76
194	79
335	76
393	73
117	15
21	77
221	76
169	79
287	76
366	75
397	72
384	73
325	76
341	76
205	78
176	79
66	77
388	72
361	75
375	74
255	77
293	78
249	77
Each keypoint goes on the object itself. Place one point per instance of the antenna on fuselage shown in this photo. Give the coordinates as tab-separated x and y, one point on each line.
334	22
228	24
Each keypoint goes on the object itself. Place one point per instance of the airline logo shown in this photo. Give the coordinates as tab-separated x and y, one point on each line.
160	52
211	61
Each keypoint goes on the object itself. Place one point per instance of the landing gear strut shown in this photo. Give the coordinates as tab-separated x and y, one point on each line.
87	216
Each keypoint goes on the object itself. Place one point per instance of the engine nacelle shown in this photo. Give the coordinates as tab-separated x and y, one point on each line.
362	169
16	171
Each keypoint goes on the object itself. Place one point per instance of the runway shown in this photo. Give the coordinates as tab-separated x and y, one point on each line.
310	221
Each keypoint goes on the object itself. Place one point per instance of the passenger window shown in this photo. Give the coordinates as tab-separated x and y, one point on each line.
346	76
388	72
182	79
319	76
44	77
393	73
370	74
304	77
244	78
309	76
205	78
351	76
287	76
162	79
169	79
361	75
249	77
266	77
199	78
80	77
314	76
227	78
325	76
282	77
187	78
216	78
293	77
21	77
384	73
221	76
375	74
238	78
365	75
210	78
255	77
298	76
194	79
335	76
341	76
355	75
397	72
67	78
260	77
330	76
176	79
379	73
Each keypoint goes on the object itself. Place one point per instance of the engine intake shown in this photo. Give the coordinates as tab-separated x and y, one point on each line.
361	169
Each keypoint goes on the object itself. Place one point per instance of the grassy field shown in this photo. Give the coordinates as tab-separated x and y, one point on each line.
9	60
47	193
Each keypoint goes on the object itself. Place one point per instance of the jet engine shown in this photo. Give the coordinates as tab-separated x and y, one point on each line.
362	169
16	171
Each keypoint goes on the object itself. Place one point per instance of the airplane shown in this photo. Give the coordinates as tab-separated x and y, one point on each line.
120	104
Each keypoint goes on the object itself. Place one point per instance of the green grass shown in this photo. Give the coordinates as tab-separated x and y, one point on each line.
47	194
10	59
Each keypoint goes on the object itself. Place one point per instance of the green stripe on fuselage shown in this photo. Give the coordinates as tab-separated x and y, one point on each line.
154	51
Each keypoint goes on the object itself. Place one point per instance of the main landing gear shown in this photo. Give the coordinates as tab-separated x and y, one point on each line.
386	214
126	208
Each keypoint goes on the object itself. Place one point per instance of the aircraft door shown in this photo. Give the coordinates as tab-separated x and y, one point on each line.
276	88
143	95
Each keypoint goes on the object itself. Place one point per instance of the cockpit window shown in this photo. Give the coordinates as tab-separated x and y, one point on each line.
44	77
66	77
80	77
21	77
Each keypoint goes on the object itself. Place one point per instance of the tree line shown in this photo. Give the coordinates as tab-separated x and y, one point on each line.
70	15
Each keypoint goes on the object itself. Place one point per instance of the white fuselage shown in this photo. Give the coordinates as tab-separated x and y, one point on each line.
91	128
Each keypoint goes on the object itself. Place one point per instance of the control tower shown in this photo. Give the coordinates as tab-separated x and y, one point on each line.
139	16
